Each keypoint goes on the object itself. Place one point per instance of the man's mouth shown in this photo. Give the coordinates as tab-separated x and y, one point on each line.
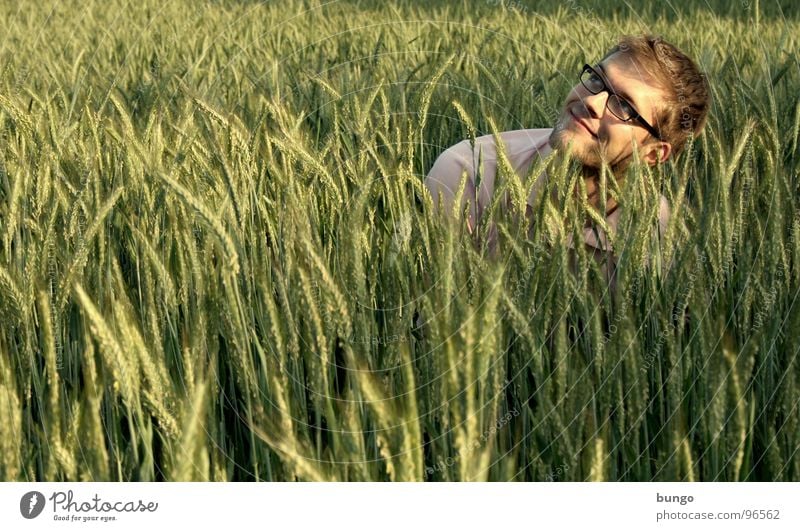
582	123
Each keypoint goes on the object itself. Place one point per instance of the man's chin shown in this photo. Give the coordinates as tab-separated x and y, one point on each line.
568	143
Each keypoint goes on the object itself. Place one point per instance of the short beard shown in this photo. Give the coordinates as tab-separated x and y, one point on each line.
590	159
589	163
558	141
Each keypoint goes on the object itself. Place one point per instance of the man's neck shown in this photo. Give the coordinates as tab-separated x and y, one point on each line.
591	182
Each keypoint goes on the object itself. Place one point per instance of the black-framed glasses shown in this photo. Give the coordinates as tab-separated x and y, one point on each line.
619	106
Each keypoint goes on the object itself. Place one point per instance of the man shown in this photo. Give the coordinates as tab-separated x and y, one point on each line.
644	94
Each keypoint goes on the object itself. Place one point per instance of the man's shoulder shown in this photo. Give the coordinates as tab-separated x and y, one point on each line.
528	135
517	143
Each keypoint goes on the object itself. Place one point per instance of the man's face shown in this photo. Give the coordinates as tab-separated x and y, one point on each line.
595	132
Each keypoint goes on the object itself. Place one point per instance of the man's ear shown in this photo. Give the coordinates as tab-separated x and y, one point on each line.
656	152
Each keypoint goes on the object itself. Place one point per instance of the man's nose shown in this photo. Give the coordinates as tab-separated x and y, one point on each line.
595	103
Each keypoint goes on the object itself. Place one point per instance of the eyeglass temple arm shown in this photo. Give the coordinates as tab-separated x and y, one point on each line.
647	126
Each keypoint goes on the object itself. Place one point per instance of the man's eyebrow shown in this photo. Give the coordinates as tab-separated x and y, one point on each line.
617	90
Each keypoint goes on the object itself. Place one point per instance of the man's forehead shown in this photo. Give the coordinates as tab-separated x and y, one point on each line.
622	68
628	77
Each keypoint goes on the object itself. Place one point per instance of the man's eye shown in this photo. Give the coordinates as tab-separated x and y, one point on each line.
626	107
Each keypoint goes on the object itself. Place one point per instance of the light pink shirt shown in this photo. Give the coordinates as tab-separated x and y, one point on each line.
522	146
